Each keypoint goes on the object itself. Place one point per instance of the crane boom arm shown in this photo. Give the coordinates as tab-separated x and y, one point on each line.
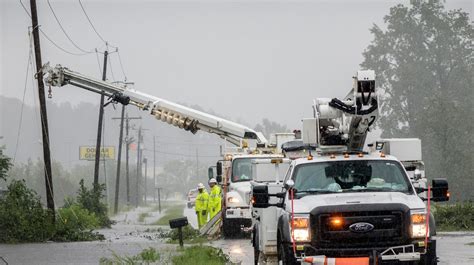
172	113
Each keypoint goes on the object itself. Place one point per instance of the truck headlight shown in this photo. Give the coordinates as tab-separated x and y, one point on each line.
233	200
300	230
418	225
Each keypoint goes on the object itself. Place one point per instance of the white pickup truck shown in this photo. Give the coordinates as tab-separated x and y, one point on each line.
356	208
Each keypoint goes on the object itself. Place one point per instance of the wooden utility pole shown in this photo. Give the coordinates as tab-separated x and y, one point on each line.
44	117
145	161
138	164
128	141
117	181
99	127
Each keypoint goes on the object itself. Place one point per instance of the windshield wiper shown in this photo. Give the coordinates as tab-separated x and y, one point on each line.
316	191
373	189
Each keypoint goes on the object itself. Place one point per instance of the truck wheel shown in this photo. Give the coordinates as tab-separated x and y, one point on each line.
255	255
430	257
284	255
227	229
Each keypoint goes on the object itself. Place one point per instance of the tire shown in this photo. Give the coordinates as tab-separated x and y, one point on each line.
285	257
255	255
228	230
430	257
255	242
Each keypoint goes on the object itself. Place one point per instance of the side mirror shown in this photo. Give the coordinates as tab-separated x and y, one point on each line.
210	172
260	196
439	189
417	174
219	178
289	184
219	168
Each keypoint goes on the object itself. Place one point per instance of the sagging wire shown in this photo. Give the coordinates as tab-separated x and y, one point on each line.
64	31
24	93
48	38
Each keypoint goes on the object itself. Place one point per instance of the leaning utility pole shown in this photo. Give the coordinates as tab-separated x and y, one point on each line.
117	181
44	117
99	127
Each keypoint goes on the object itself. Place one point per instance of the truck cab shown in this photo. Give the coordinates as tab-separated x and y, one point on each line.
359	208
236	212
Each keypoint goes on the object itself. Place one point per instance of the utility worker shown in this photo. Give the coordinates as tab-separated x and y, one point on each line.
214	198
201	207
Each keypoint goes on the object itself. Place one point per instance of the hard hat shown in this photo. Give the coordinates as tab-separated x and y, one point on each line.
213	180
201	186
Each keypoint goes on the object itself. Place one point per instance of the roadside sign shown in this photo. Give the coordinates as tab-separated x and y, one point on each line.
88	153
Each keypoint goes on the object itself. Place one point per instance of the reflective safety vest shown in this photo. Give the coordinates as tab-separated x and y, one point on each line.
215	200
202	201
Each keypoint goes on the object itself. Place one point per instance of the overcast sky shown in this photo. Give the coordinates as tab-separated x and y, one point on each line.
243	59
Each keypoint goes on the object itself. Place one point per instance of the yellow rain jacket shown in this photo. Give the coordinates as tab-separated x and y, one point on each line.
202	201
215	201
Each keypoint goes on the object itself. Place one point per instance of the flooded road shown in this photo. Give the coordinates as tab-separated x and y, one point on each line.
129	237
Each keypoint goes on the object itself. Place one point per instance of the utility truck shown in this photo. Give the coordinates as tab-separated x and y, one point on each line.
235	173
270	172
341	205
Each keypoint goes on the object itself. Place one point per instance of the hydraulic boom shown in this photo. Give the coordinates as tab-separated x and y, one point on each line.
166	111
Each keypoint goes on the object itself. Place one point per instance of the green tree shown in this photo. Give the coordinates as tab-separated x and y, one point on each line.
424	62
268	127
4	165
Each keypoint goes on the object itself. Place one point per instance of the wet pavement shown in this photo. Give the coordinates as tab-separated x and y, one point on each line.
129	237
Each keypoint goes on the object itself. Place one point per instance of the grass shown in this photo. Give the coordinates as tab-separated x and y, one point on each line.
147	256
165	205
190	236
470	244
201	255
171	213
457	216
142	216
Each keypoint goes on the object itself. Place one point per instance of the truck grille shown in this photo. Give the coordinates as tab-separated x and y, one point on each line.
388	226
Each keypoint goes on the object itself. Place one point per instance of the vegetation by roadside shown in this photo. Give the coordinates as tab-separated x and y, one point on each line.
172	212
201	255
147	256
190	236
458	216
197	255
23	219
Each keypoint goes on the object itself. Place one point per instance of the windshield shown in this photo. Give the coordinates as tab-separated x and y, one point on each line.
266	172
242	169
350	176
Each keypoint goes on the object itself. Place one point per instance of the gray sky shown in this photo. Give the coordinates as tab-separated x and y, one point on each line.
243	59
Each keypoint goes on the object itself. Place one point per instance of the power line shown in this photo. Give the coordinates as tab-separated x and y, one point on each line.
92	25
49	39
98	61
23	99
111	69
64	31
121	65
